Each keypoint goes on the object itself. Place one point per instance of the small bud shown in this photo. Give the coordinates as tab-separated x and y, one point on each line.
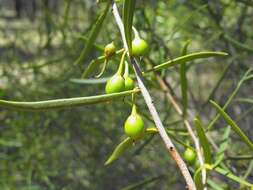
109	50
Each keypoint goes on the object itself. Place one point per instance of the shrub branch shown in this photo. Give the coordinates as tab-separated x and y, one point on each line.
149	102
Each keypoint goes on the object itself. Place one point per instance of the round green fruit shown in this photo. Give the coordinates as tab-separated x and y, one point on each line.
139	47
129	83
115	84
109	50
190	155
134	126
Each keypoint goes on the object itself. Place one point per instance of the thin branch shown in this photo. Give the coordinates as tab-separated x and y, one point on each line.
149	102
187	124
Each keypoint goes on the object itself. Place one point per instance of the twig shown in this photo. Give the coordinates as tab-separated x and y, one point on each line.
167	141
187	124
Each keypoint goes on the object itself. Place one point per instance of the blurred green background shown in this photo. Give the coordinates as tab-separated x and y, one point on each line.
66	149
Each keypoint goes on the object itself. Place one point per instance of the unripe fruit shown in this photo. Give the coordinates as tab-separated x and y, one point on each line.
109	50
134	125
139	47
129	83
190	155
115	84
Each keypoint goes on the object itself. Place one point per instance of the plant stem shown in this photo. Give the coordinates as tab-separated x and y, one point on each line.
149	102
172	100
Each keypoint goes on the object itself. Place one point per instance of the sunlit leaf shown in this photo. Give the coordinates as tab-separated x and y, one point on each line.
203	140
186	58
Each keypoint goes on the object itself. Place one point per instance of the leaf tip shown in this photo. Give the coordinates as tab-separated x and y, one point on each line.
107	162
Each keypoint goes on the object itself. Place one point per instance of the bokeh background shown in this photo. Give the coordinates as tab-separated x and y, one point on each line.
66	149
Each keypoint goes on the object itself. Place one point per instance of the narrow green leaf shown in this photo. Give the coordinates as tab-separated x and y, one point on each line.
241	157
223	172
203	140
142	183
95	63
249	170
233	125
119	150
238	44
100	48
183	80
223	147
214	185
128	13
90	81
231	97
63	103
218	83
125	144
231	176
93	35
250	77
186	58
245	100
198	179
64	24
153	130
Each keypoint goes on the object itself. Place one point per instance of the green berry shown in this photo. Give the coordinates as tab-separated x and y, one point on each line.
115	84
109	50
190	155
139	47
129	83
134	126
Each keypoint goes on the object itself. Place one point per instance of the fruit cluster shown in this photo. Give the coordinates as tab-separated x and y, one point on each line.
121	81
118	83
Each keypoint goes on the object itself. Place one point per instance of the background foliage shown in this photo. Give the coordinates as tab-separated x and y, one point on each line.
66	149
